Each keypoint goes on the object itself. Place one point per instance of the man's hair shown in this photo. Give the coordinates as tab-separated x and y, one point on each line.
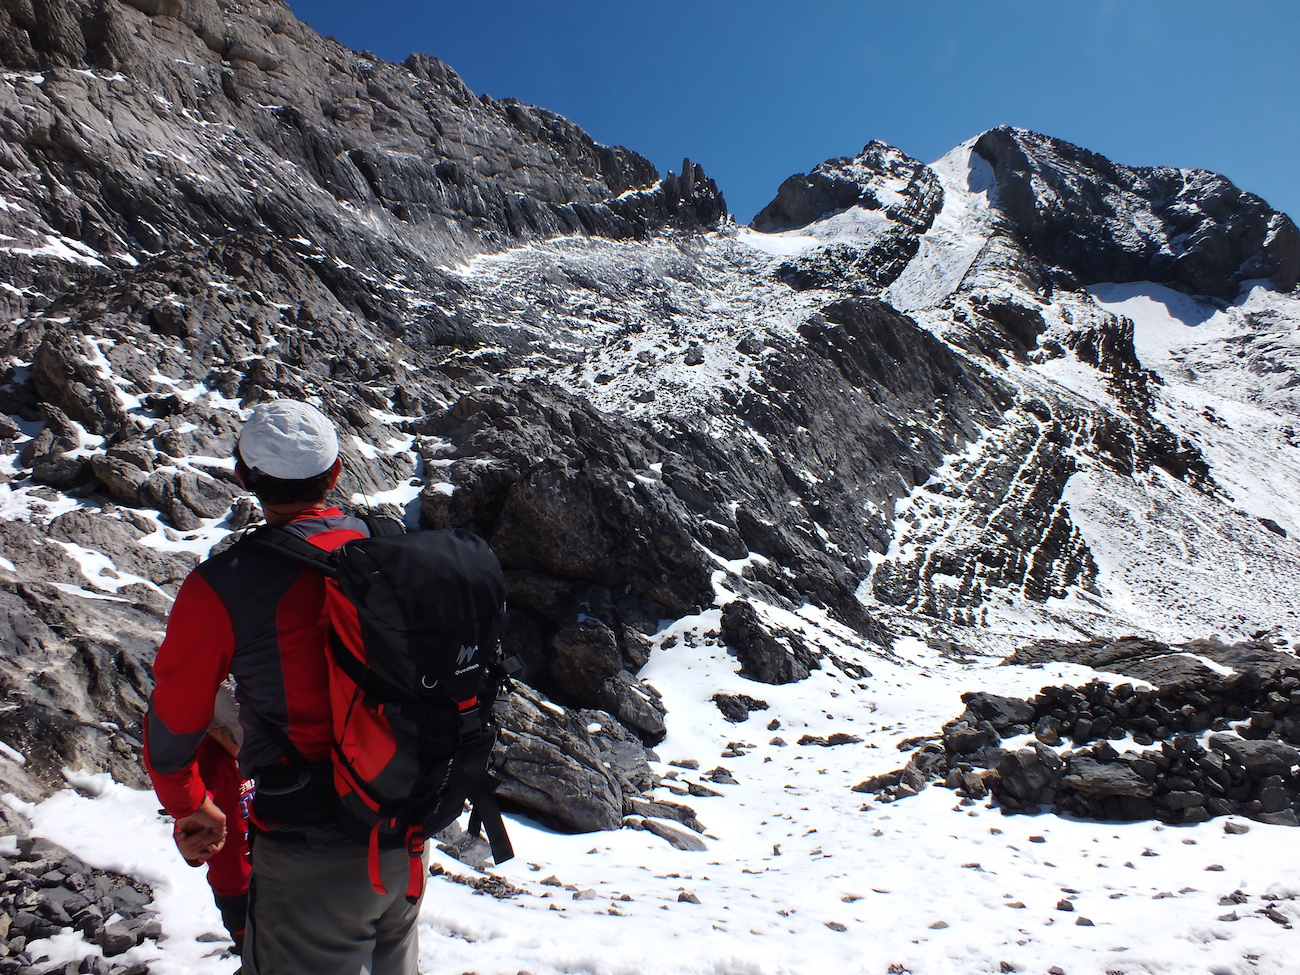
277	490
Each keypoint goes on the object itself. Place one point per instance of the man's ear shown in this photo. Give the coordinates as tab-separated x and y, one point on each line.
335	471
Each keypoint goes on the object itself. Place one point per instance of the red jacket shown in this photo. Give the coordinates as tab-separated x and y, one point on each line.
261	619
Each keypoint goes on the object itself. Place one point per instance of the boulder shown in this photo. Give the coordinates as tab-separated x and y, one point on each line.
1261	757
1028	777
737	707
1096	779
1000	711
551	767
636	704
765	657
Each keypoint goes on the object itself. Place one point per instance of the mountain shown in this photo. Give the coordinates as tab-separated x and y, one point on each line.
1020	404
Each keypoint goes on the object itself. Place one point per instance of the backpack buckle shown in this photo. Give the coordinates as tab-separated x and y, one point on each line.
471	720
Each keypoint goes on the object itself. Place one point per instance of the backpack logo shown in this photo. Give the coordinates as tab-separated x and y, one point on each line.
467	655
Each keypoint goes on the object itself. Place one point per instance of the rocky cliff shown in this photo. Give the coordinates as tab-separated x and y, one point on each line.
892	407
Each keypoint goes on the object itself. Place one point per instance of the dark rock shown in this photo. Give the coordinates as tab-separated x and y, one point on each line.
1182	800
636	704
1028	777
871	181
721	775
1275	795
1096	779
764	657
878	782
1286	817
1000	711
584	655
1206	234
115	939
1048	730
551	766
658	809
960	737
1259	757
737	707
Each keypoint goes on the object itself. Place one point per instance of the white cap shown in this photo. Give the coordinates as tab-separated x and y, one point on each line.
289	440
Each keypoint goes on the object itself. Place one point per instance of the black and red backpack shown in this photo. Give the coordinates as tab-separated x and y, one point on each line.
415	667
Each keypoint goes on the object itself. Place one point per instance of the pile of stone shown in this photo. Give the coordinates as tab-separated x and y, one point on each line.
1246	766
45	890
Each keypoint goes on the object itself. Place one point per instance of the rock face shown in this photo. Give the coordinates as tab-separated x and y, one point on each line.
170	125
160	153
1075	212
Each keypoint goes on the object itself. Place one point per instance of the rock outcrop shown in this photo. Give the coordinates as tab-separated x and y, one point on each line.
899	194
1077	214
1248	765
45	891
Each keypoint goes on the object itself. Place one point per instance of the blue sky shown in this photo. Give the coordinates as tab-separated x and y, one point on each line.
757	90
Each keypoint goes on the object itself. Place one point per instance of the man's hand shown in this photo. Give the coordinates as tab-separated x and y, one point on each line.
200	834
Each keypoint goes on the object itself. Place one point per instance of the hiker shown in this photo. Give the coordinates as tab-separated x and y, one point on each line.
262	620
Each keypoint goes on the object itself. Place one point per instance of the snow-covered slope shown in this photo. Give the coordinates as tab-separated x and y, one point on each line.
799	874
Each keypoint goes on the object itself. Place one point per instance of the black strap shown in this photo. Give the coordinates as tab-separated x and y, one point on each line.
481	789
383	527
486	813
281	541
374	687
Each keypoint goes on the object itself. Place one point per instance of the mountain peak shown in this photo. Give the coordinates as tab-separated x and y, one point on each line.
872	180
1089	220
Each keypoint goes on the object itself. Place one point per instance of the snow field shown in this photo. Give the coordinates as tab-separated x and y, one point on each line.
801	874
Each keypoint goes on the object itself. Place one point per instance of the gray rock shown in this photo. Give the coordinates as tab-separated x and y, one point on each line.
115	939
1029	777
549	765
1275	794
678	838
1260	757
765	657
1285	817
636	704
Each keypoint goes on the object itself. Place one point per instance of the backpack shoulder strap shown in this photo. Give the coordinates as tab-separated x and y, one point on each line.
381	526
279	541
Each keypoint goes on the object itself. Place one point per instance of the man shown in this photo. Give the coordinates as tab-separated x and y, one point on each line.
262	619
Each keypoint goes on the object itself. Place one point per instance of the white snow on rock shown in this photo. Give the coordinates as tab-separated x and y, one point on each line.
954	241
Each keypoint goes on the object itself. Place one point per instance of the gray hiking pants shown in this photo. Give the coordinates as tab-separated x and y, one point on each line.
312	911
